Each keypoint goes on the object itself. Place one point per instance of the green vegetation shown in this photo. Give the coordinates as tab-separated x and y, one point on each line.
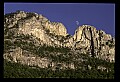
16	70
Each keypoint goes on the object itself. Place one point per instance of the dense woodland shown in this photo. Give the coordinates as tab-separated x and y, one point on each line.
16	70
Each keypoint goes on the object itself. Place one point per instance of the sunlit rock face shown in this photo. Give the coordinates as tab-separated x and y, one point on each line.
87	39
96	42
56	28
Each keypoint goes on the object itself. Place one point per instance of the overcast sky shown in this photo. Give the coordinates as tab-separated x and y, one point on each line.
72	15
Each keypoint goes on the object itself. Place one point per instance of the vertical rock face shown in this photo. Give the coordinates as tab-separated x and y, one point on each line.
98	43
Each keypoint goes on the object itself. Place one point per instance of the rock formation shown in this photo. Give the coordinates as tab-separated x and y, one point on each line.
87	39
95	42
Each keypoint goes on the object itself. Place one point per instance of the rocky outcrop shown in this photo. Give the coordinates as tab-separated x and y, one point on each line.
95	42
56	28
33	20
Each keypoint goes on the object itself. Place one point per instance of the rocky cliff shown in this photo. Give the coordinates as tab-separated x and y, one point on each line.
27	34
95	42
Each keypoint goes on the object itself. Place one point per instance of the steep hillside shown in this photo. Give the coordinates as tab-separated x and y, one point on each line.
34	44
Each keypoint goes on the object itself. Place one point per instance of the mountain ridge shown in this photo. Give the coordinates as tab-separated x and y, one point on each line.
31	39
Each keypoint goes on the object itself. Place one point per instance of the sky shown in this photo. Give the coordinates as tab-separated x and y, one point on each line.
72	15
